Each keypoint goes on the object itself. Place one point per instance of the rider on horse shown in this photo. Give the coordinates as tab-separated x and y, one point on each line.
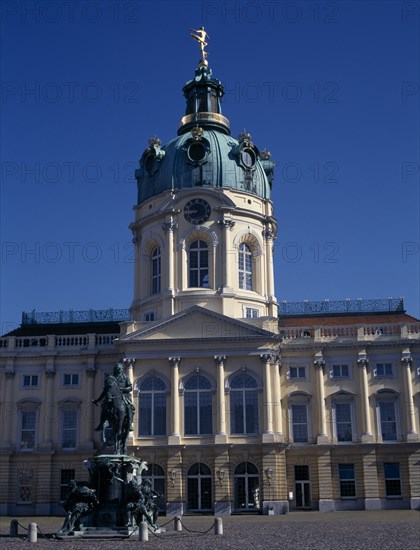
126	388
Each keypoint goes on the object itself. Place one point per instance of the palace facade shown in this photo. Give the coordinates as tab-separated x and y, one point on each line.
238	408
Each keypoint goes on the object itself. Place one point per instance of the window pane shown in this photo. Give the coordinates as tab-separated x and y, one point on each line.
145	414
388	421
237	412
300	426
191	412
69	420
205	413
160	414
251	398
343	421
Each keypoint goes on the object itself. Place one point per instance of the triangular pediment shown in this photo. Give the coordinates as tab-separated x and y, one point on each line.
196	323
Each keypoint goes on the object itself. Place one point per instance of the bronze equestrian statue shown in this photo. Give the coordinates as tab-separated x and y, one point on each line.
117	409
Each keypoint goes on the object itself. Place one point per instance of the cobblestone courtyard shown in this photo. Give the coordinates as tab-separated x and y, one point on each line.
379	530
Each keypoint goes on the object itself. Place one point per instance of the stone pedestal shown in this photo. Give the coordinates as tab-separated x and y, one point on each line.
110	476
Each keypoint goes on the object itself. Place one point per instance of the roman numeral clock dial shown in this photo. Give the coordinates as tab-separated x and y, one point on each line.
197	211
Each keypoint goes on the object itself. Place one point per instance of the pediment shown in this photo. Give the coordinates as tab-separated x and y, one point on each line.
196	323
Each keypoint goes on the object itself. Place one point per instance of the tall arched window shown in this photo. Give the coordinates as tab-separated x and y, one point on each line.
243	405
246	482
198	266
245	267
156	475
152	407
198	409
199	489
155	270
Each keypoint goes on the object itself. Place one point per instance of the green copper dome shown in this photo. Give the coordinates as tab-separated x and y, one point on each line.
204	154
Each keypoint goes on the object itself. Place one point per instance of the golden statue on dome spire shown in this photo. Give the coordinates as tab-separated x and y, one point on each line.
201	38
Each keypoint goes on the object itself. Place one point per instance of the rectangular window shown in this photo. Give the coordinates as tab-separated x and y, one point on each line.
297	372
343	421
299	423
30	380
384	369
69	429
251	313
388	421
340	371
65	477
347	480
27	435
392	479
70	380
25	484
149	316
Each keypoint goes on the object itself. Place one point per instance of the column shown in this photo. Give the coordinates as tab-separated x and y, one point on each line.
363	363
50	416
227	225
268	235
9	410
221	436
175	439
319	364
406	362
88	414
136	243
170	227
268	435
277	412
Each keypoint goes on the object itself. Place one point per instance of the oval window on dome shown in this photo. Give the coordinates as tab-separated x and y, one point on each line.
248	157
150	163
196	151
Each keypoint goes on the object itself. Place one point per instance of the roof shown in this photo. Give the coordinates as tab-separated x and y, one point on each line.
346	319
36	329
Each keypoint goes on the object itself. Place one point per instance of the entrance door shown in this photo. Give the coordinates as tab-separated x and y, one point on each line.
246	481
302	487
199	489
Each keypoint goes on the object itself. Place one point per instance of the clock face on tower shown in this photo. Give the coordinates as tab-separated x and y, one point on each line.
197	211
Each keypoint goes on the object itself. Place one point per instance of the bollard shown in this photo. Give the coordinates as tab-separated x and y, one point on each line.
177	523
32	532
143	532
14	525
218	526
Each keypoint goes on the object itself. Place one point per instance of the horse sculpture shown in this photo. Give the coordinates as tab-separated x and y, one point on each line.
115	415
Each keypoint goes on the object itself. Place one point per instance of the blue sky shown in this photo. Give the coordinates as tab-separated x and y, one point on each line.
330	88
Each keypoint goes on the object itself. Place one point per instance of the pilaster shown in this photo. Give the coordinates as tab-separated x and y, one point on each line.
175	438
406	362
221	436
363	363
326	502
370	479
268	435
319	364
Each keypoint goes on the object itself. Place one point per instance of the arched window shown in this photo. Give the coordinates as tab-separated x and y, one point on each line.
245	267
198	267
387	411
199	488
198	407
246	483
243	405
155	270
156	475
152	407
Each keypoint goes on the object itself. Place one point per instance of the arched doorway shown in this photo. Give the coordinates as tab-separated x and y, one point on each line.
156	475
247	487
199	488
